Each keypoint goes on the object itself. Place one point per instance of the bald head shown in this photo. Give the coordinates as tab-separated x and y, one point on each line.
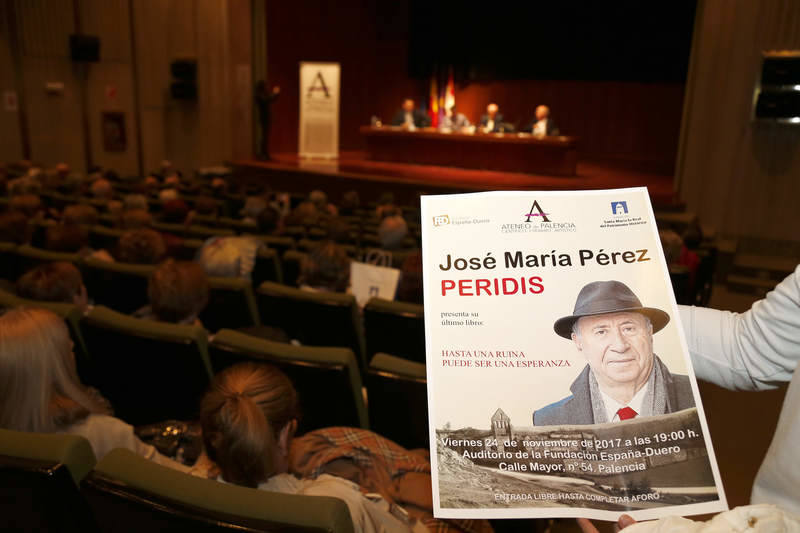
492	109
542	112
408	105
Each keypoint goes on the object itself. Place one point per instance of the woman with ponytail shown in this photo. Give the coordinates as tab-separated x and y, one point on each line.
249	417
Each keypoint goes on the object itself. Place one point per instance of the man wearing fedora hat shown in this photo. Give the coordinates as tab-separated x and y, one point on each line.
623	378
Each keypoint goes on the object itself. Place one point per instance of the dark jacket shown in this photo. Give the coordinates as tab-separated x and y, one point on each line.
550	128
577	408
498	122
421	120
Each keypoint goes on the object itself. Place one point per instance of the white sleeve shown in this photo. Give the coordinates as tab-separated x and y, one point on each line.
755	350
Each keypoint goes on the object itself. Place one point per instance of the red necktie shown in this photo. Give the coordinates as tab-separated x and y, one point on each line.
626	413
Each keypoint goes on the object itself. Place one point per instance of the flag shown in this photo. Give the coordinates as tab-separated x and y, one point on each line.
433	100
450	91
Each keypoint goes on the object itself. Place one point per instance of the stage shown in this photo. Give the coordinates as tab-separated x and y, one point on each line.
287	172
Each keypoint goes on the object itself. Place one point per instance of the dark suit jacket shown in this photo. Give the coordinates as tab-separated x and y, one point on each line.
498	122
421	120
550	127
577	408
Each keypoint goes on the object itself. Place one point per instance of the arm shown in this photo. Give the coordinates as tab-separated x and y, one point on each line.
754	350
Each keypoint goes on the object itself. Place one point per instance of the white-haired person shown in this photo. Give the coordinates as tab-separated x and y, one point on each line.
40	390
249	418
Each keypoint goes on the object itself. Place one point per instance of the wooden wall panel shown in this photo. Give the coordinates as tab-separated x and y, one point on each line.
740	176
10	135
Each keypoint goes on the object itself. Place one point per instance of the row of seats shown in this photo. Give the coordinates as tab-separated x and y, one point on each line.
315	318
153	371
53	483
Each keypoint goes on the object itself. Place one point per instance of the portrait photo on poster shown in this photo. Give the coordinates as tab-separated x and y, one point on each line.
559	383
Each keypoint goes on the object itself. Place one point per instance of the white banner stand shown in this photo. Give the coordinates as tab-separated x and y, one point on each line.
319	110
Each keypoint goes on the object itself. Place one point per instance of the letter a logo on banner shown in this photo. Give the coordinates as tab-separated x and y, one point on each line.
539	213
318	85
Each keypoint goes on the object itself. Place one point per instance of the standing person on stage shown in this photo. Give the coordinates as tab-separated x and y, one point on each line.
542	125
454	121
492	121
409	117
264	100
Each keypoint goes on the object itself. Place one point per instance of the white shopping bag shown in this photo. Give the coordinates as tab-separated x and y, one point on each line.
370	281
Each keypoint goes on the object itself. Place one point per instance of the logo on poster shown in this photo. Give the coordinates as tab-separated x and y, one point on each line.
619	208
441	220
536	211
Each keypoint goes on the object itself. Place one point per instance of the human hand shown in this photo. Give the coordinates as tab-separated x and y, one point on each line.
587	526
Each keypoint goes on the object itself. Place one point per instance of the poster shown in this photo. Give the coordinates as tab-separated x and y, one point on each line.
319	110
559	381
113	129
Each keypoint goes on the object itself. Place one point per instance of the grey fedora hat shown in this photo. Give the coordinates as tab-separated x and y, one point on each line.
602	297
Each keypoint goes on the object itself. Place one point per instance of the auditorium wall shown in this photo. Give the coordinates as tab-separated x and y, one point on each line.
138	41
740	176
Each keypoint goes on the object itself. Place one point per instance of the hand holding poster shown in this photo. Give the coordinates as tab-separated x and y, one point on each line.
559	382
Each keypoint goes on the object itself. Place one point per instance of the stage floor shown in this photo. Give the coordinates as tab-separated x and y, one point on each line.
353	166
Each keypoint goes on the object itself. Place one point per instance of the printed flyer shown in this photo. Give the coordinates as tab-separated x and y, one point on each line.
559	381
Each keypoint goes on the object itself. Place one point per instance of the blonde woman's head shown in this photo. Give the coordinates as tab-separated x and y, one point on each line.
248	417
39	387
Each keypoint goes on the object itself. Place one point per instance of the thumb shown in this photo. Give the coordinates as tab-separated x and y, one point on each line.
625	521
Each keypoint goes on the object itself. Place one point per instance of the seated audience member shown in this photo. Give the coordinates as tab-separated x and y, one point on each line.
135	219
40	391
54	282
141	246
80	214
269	222
206	206
173	180
542	125
178	292
229	257
219	186
175	212
454	121
392	231
151	185
326	268
320	200
115	208
72	185
409	117
350	202
14	228
492	121
70	238
409	288
249	418
305	214
102	189
339	230
167	195
28	183
253	206
386	206
29	205
135	201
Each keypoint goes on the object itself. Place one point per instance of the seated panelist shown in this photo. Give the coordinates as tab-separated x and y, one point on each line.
454	121
492	121
542	125
409	117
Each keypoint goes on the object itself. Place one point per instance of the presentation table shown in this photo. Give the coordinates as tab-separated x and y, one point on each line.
507	152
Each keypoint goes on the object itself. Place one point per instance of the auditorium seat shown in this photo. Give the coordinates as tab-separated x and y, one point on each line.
237	225
398	401
306	245
327	380
267	267
279	244
39	476
120	286
29	257
291	262
149	371
72	315
39	232
188	249
131	494
205	232
231	304
104	238
9	261
395	327
313	318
